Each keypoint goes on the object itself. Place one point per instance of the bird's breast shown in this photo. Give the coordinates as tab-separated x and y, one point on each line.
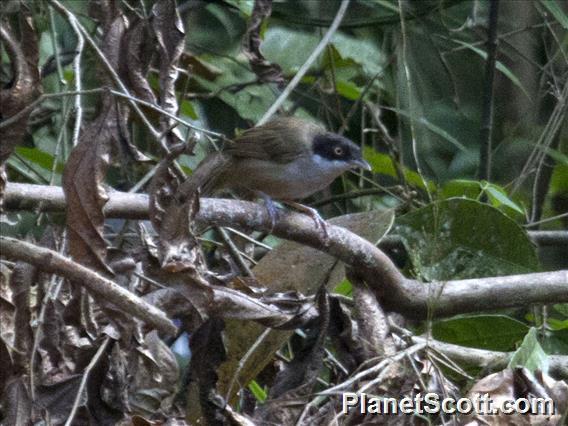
286	181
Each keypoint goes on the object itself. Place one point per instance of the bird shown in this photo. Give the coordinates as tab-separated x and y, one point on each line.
286	159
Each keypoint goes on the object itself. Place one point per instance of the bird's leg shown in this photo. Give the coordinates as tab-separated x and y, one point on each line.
271	208
313	213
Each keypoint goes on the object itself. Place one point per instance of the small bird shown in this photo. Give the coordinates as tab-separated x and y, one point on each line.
285	159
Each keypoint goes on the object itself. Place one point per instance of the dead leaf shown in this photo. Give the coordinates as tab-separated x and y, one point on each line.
24	88
170	34
266	71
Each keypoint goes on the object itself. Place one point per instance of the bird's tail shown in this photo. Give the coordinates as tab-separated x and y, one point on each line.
208	176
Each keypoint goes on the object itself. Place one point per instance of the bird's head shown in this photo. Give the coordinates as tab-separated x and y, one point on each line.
339	150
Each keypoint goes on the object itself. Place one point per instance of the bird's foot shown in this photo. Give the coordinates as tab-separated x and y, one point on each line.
313	213
271	208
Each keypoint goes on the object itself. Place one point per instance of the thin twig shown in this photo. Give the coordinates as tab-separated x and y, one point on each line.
72	18
51	261
244	360
374	369
410	103
78	86
82	386
234	252
485	145
305	67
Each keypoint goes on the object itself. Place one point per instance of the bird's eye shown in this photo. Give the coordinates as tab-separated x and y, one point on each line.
338	151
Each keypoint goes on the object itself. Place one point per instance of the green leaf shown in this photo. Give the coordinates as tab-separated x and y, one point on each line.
555	342
288	48
499	65
362	51
382	163
491	332
530	354
344	287
562	308
245	6
460	238
498	197
186	108
556	324
461	188
42	159
250	101
31	174
432	127
559	179
554	8
348	90
215	28
258	392
558	156
388	5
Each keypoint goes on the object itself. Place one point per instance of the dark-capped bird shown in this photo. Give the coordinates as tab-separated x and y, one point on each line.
285	159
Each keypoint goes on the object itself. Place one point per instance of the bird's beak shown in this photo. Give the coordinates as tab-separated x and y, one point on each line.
361	164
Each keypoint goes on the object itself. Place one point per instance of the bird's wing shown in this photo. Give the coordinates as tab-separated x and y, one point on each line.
208	176
281	140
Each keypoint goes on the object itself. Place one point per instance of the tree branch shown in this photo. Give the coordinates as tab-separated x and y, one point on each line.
558	364
51	261
397	293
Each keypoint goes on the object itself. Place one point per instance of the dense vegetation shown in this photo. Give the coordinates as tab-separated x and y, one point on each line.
188	308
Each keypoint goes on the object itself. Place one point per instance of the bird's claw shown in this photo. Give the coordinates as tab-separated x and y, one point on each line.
313	213
271	209
319	223
272	214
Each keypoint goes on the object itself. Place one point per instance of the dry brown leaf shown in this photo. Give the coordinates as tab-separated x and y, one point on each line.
266	71
170	34
24	88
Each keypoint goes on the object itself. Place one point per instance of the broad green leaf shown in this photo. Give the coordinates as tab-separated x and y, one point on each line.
42	159
460	238
461	188
250	101
363	51
215	28
491	332
38	176
530	354
288	48
382	163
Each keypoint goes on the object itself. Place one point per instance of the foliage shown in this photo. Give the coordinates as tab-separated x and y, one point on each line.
121	83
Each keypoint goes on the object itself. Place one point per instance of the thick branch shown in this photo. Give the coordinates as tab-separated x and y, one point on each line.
558	364
396	292
51	261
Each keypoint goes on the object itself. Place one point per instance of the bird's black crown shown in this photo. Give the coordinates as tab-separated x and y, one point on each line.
335	147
